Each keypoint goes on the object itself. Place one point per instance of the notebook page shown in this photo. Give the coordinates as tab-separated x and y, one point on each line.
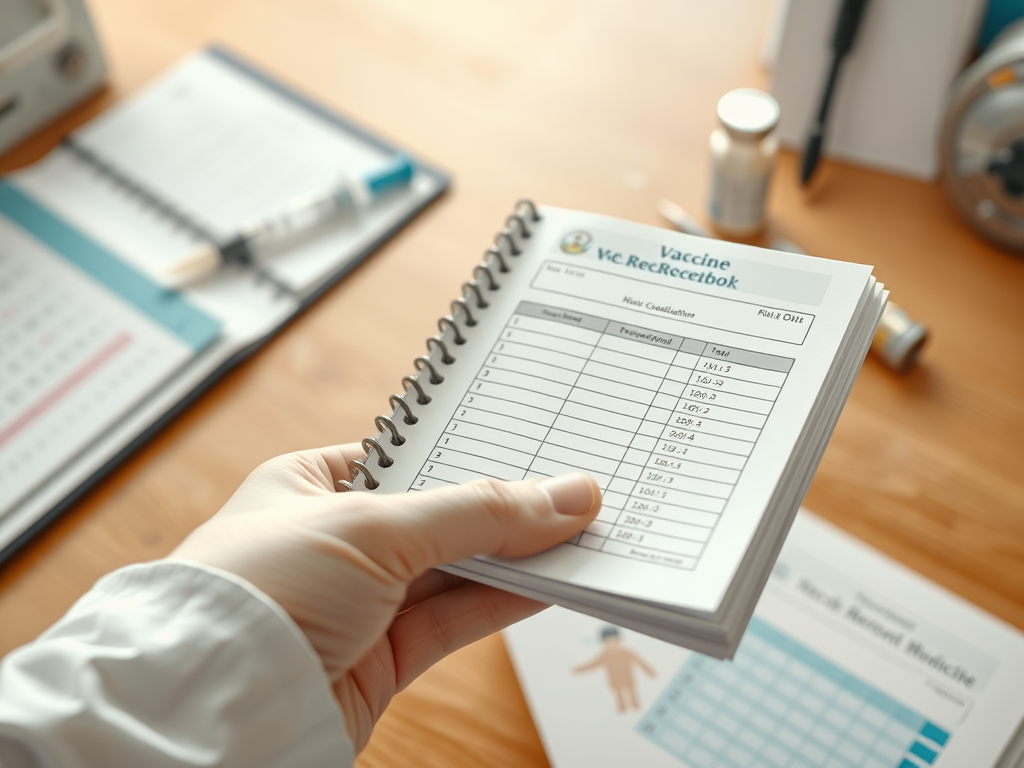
223	146
103	209
850	659
136	234
682	399
84	340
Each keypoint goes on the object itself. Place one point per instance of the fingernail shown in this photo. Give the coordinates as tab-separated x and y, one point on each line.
570	494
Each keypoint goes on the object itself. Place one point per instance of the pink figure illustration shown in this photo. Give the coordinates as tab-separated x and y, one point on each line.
618	662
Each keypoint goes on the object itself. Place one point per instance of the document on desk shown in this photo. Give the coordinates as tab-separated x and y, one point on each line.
696	381
95	352
75	351
850	660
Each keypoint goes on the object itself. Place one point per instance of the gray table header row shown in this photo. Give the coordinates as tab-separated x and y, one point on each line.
565	316
656	338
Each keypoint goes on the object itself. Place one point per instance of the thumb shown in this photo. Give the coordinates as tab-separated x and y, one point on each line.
425	529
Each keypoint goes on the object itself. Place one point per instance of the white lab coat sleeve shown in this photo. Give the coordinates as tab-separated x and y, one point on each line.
170	663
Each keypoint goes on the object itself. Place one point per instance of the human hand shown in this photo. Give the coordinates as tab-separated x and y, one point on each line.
354	570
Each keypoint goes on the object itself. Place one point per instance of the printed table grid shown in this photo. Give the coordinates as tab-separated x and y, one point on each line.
664	423
781	705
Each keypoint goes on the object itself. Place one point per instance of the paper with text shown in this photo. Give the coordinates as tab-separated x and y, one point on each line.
656	365
850	660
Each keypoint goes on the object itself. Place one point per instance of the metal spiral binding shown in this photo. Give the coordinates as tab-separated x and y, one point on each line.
507	245
383	460
474	288
421	397
463	306
396	402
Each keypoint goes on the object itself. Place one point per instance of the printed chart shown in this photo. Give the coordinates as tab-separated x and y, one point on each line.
664	423
781	704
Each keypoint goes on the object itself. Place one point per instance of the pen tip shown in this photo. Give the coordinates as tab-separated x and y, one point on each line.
810	160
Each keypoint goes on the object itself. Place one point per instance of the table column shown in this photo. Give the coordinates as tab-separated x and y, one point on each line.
700	453
608	415
507	411
644	527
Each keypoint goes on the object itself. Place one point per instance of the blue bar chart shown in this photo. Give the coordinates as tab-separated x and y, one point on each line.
781	704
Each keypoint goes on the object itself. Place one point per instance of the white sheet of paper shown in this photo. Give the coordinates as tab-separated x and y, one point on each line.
851	660
223	148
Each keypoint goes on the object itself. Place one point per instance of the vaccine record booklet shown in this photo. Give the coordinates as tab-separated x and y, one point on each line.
697	381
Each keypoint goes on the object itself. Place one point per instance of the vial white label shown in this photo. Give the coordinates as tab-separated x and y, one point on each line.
737	200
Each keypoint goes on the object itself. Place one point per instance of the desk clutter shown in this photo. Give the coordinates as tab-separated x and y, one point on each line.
851	660
96	351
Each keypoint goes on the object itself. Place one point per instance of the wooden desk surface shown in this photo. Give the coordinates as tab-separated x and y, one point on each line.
600	106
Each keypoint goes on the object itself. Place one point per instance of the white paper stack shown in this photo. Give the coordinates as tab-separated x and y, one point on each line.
696	380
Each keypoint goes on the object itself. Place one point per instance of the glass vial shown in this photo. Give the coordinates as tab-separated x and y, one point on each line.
743	150
899	338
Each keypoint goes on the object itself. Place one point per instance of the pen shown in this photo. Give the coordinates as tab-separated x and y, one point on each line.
899	338
297	217
847	22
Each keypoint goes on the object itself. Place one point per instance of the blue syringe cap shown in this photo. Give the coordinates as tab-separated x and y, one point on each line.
395	174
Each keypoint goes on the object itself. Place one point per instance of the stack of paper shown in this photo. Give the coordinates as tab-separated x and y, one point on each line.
696	380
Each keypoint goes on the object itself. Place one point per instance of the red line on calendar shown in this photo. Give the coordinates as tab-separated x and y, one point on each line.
76	377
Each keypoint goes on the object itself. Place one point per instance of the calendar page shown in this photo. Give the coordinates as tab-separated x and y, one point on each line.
83	339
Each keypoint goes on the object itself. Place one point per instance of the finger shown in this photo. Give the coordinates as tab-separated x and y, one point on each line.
310	472
418	531
430	584
433	629
337	459
319	469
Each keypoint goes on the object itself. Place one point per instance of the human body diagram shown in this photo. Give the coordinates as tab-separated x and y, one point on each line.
618	662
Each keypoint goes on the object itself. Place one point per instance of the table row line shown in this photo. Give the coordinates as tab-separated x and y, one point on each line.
534	421
549	379
646	343
673	454
667	455
719	462
526	436
635	544
656	474
616	398
613	504
534	352
543	466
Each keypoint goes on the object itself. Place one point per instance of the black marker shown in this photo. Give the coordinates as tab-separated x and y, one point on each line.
847	23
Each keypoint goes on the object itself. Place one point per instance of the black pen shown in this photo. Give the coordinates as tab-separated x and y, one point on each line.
847	23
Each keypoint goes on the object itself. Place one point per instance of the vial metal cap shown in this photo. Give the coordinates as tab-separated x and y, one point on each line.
747	113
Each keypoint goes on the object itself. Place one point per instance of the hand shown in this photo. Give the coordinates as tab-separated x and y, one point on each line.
354	570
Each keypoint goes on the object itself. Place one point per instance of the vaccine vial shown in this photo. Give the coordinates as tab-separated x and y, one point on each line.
743	150
899	339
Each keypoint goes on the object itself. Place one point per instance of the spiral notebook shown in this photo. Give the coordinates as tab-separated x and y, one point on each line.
696	380
94	353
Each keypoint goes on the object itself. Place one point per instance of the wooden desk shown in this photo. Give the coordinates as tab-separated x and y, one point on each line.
599	106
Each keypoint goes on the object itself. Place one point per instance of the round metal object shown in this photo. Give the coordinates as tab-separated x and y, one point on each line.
982	141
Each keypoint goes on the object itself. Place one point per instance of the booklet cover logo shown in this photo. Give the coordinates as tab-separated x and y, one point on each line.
576	242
